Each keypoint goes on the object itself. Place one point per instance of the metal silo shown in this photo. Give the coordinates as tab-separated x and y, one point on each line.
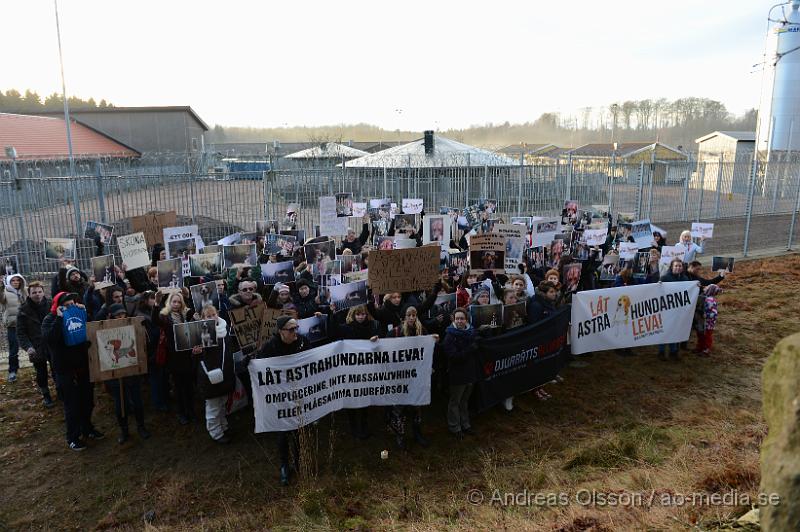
779	112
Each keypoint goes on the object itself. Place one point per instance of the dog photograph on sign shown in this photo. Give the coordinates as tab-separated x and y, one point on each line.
117	348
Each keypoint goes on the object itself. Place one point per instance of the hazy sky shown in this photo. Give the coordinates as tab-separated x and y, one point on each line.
408	65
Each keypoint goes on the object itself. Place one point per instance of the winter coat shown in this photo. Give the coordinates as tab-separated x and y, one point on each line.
218	357
358	331
703	281
153	332
669	277
275	347
29	327
235	301
12	299
79	288
692	249
306	307
539	308
177	361
461	349
65	359
710	313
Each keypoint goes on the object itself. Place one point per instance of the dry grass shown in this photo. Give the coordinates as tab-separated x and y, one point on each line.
618	426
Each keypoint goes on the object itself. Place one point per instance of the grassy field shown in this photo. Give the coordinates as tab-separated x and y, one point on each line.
635	427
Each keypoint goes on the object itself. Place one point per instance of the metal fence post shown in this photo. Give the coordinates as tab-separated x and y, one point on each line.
686	189
640	191
568	191
611	182
702	192
719	185
651	177
17	191
385	184
483	181
519	197
794	215
749	206
191	190
77	207
101	199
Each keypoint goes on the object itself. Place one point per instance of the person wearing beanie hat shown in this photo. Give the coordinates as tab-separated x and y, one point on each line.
306	299
116	309
481	295
705	339
280	295
72	280
285	341
71	369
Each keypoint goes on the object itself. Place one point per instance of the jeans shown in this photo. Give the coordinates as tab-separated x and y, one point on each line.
13	350
673	349
458	407
78	396
132	392
286	438
41	373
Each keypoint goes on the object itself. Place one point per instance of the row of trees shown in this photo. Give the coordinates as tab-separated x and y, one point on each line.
12	101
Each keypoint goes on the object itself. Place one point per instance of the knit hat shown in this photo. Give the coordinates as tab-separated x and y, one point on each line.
282	321
280	287
478	290
303	282
71	269
712	290
115	309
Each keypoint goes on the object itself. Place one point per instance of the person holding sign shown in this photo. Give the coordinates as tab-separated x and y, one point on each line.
130	397
64	331
285	341
215	378
692	249
674	275
172	311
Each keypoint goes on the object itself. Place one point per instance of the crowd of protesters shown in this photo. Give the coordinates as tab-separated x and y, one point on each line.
179	380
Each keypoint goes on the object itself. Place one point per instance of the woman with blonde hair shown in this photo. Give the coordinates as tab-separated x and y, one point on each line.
180	364
686	243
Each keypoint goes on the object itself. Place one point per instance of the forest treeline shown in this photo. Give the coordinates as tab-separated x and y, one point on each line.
675	122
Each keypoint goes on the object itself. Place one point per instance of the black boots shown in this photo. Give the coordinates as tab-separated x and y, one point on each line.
123	434
47	400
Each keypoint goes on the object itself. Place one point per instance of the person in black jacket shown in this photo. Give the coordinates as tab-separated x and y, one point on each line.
693	273
71	368
286	341
353	243
675	274
463	366
305	299
157	375
215	394
29	333
543	303
358	325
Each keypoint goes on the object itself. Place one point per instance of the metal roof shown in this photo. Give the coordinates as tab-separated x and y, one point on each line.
624	149
152	109
40	137
446	153
743	136
328	150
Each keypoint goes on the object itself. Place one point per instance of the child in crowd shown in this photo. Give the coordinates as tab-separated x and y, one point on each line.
705	339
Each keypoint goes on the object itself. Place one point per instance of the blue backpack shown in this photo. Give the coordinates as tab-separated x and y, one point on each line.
75	319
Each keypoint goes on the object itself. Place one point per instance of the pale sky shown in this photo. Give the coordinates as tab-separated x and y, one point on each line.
400	65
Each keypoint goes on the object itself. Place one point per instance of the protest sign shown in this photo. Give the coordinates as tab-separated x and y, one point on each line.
277	272
515	250
330	224
231	240
97	230
117	349
722	263
522	359
103	272
671	252
178	240
510	230
246	322
203	264
403	270
595	237
202	333
269	323
170	273
59	248
642	233
628	250
632	316
9	265
436	228
359	210
344	204
239	256
701	230
133	250
292	391
203	295
544	231
515	315
527	221
348	295
153	225
315	328
412	205
486	253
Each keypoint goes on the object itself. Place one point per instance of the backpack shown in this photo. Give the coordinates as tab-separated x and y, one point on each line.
74	325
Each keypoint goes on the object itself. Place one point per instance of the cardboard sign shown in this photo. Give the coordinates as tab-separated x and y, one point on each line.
486	253
133	249
118	348
153	225
595	237
700	230
403	270
246	323
412	206
330	224
269	323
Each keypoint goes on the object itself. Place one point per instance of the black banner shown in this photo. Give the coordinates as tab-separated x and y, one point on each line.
523	358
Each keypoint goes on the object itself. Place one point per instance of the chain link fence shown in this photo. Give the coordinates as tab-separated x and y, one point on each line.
754	206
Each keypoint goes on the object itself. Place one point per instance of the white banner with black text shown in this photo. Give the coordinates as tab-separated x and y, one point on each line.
630	316
292	391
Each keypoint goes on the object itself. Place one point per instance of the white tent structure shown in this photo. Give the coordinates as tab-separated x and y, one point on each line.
328	150
444	153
